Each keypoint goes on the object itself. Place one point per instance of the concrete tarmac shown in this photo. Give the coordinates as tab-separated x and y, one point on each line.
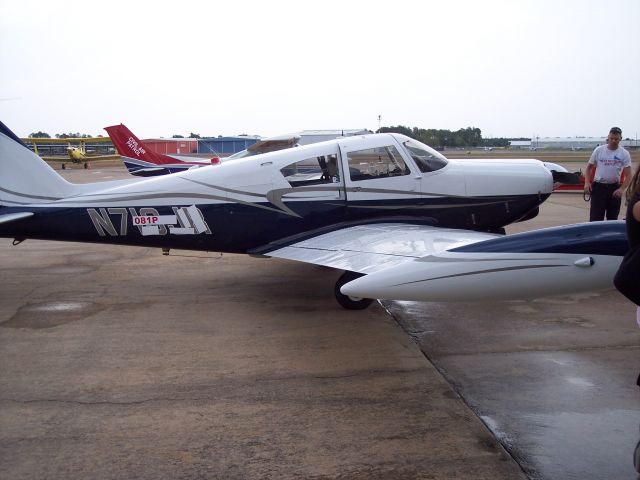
554	378
118	362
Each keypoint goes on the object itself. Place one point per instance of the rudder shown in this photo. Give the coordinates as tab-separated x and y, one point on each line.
130	146
24	177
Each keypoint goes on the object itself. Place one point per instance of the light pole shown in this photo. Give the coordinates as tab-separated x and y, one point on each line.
379	119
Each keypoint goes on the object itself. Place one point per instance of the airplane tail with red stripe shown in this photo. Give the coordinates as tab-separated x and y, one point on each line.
130	146
140	160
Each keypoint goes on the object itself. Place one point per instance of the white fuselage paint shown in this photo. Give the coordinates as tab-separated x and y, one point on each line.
251	179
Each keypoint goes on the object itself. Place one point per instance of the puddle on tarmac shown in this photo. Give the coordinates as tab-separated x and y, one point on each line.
570	445
51	314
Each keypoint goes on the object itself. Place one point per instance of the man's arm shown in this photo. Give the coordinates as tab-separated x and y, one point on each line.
591	164
587	178
627	180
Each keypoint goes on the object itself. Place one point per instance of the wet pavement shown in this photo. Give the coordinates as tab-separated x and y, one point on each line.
557	390
554	379
119	362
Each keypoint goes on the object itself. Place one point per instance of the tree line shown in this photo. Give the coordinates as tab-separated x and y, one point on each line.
40	134
436	138
439	138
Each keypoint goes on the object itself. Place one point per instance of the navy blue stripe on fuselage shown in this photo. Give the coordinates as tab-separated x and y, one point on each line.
244	227
595	238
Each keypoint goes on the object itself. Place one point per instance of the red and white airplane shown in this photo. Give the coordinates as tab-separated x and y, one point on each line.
142	161
411	223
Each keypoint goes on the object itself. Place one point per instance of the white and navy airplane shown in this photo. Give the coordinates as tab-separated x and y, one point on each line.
411	223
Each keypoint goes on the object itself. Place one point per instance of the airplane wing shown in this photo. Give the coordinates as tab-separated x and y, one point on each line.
371	248
427	263
273	144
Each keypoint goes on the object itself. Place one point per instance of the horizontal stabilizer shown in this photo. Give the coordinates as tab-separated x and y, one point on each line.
12	217
149	171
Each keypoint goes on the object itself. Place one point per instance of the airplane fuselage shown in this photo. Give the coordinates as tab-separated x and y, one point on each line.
246	205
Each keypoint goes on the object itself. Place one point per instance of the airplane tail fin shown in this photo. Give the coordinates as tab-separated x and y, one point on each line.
135	153
24	177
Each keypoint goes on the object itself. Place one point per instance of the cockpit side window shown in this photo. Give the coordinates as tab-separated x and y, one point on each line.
427	159
312	171
379	162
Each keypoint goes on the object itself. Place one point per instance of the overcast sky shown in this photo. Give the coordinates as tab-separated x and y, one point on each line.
510	68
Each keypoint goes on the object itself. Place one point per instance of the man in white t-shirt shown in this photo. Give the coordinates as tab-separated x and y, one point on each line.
610	161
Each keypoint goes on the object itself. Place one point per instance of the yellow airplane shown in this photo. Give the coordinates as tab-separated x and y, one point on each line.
75	150
76	154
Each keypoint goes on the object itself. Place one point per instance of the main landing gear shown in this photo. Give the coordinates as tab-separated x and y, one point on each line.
350	303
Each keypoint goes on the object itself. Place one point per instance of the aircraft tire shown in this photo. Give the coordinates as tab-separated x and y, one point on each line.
350	303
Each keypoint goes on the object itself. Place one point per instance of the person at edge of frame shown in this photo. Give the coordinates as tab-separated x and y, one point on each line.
628	275
609	161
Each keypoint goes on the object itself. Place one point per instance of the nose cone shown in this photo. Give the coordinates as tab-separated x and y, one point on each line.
507	177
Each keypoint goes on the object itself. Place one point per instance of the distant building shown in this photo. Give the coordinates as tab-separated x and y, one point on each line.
572	143
520	144
225	146
172	146
567	143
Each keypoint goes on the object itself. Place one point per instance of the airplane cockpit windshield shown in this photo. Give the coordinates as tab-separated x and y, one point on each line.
427	159
376	163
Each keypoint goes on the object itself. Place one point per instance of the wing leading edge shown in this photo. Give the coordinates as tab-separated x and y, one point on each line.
425	263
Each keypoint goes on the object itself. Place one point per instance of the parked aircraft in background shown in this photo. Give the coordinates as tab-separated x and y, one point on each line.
76	154
142	161
75	149
417	225
266	145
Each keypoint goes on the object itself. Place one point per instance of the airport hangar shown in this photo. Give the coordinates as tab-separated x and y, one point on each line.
564	143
